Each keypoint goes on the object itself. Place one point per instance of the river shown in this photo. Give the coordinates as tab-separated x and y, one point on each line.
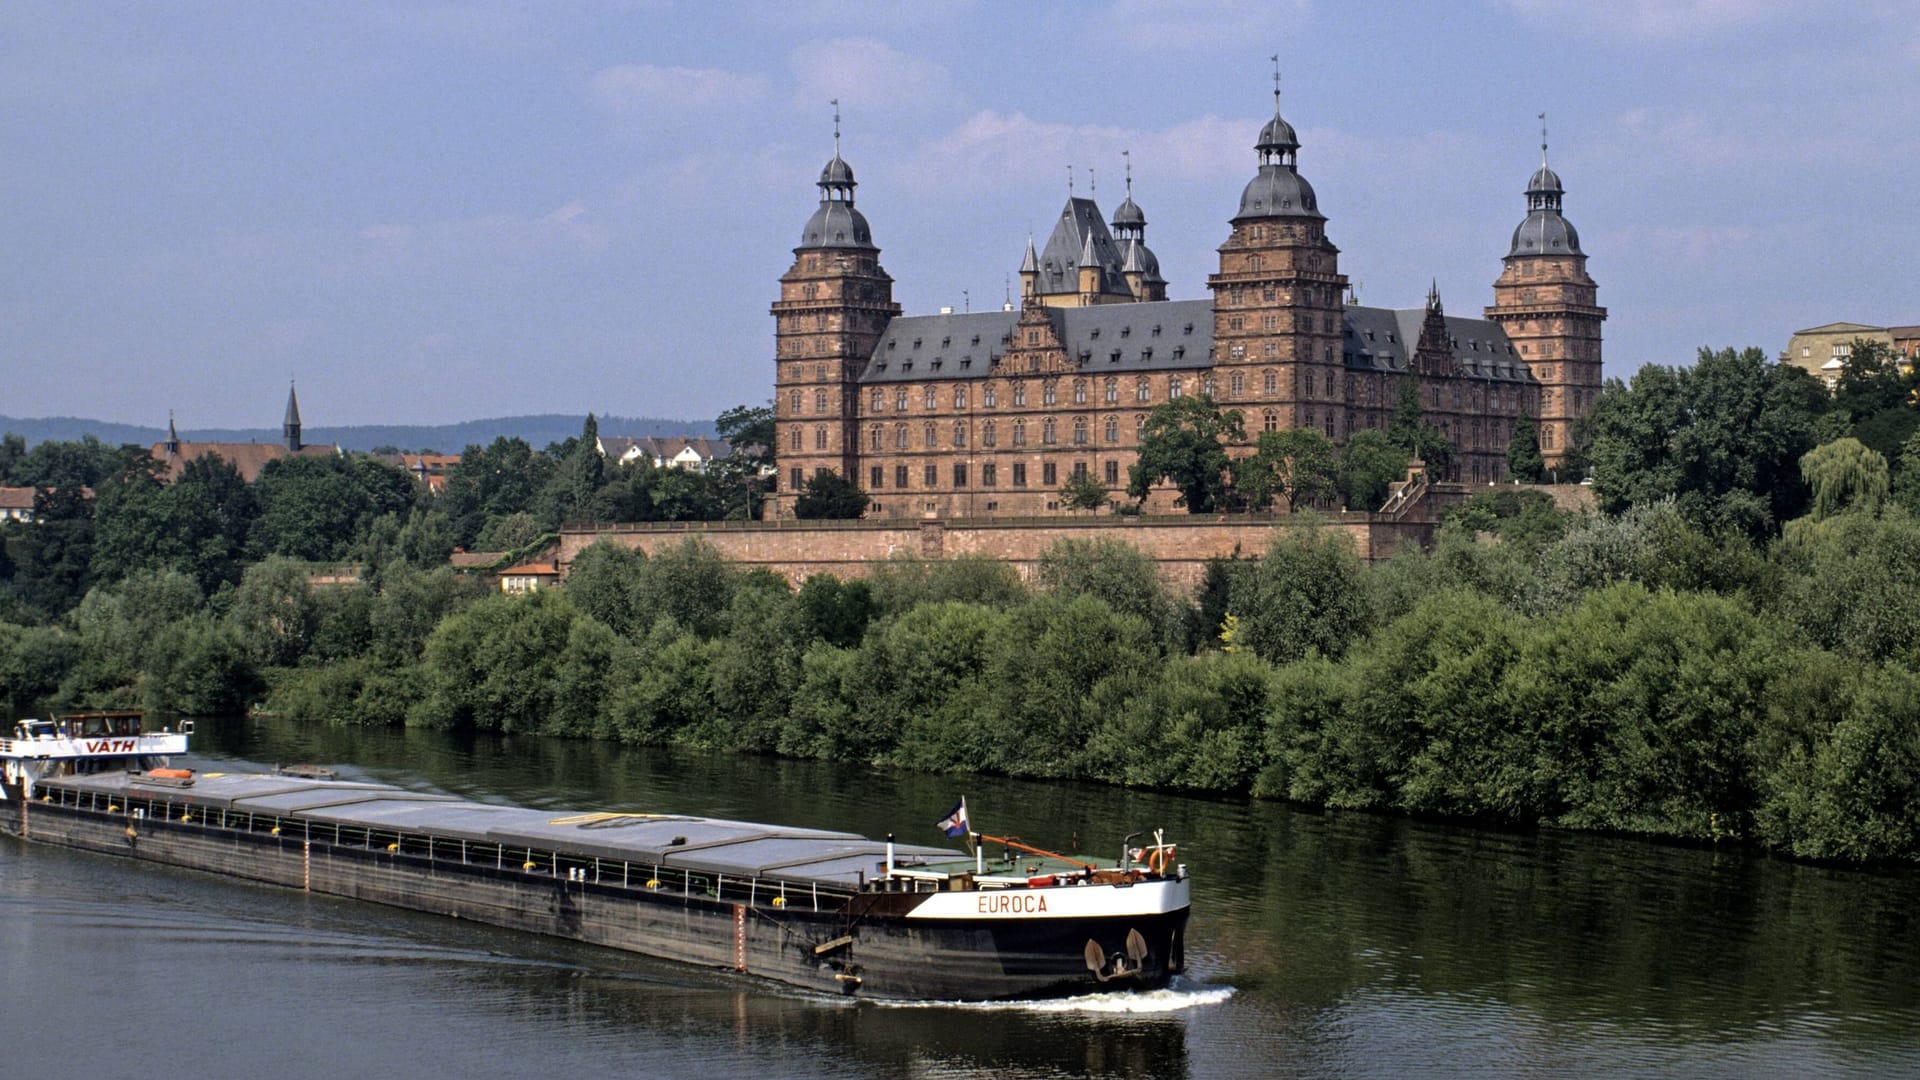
1321	945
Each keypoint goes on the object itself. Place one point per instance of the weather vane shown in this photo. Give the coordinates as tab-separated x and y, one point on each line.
836	127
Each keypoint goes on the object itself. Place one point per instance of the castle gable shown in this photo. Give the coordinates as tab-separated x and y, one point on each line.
1080	225
1384	339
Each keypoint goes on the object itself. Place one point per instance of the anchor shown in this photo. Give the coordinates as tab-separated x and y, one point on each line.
1120	965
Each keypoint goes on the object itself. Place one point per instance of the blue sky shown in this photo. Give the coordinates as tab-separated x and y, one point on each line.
429	212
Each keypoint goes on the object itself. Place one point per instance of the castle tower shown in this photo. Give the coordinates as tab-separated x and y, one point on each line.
833	305
1277	299
289	427
1545	302
1138	264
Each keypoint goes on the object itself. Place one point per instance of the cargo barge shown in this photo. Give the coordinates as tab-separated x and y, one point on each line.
833	912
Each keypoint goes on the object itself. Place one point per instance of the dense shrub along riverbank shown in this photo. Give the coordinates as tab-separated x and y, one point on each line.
1627	674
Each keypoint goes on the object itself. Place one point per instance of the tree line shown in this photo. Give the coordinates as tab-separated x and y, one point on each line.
1728	650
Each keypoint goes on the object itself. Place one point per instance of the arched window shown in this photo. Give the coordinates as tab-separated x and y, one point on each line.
1019	433
992	395
932	399
819	401
1173	387
1079	391
959	433
1306	382
1113	429
1237	383
1546	438
1270	381
1113	390
1207	386
793	402
1079	431
1143	389
793	440
900	436
1019	393
1270	421
875	438
1048	394
931	439
1048	435
959	397
820	438
1139	426
879	400
900	399
988	436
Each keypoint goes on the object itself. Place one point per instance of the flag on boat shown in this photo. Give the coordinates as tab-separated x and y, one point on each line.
954	824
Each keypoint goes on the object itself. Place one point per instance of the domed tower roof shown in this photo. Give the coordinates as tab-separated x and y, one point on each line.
1278	189
1129	214
1545	231
836	224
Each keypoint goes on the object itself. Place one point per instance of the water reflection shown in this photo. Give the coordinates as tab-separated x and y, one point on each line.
1332	943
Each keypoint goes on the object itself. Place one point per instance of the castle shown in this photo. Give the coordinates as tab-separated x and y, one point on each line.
985	414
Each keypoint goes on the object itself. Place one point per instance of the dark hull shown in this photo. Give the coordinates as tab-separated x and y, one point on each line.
866	947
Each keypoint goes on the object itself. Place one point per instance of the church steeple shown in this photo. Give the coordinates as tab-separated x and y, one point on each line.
289	427
173	437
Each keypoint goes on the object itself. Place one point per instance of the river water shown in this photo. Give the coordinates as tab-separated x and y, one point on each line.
1321	945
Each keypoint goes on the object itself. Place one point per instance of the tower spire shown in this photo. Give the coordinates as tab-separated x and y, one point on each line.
836	127
1276	83
1127	157
290	426
1543	140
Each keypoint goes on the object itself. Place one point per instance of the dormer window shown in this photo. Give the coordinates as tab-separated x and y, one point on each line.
1126	331
916	343
1188	329
1114	357
1179	351
1094	333
1156	329
946	342
1146	353
891	343
976	339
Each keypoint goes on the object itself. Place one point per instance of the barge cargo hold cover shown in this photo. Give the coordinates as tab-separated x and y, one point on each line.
831	911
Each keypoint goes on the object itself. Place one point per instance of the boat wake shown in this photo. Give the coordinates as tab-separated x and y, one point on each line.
1175	998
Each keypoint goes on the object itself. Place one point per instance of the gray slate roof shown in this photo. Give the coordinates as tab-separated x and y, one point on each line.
1079	226
1384	339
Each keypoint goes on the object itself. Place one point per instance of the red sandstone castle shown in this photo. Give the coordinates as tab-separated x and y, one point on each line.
987	413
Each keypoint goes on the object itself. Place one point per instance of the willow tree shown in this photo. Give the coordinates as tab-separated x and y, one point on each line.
1845	475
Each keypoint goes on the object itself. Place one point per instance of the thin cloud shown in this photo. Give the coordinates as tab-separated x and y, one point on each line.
1203	24
1663	21
992	151
865	74
641	90
395	248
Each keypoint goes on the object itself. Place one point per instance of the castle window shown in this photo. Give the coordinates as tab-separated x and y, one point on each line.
1048	394
1033	337
1139	425
928	437
1113	472
1256	262
1238	350
991	395
875	437
794	482
1173	387
793	440
1019	394
1270	381
959	474
1237	383
819	438
1270	322
1113	429
900	436
1019	475
1271	348
930	475
989	435
1143	390
1270	294
1113	390
1329	424
819	401
959	433
1235	322
1048	435
1079	391
879	401
876	477
1019	433
1049	473
989	475
932	398
900	476
1270	421
900	399
1307	382
1079	431
1546	438
793	401
1326	353
959	397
